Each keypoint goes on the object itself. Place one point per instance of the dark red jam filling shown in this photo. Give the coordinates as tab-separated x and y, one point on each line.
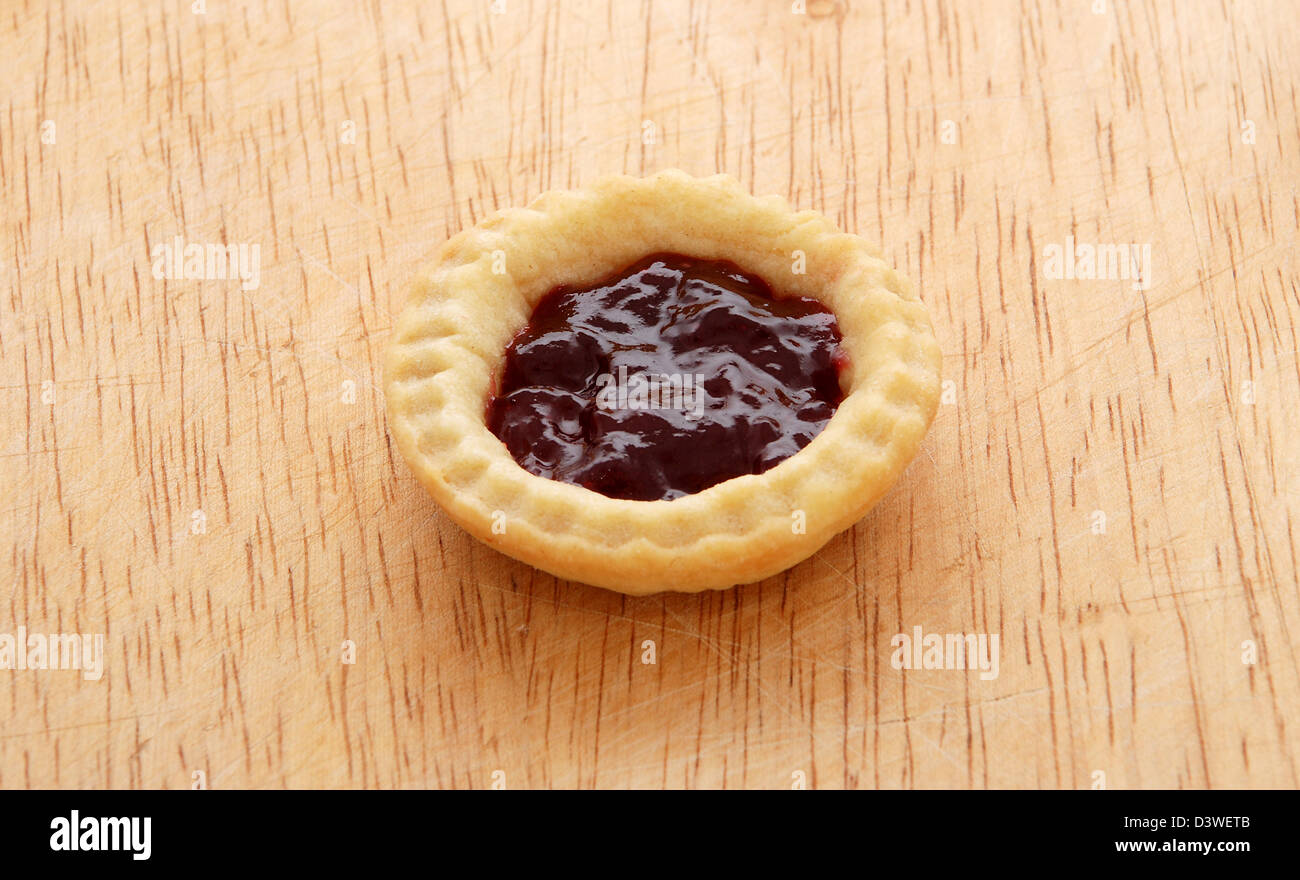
665	379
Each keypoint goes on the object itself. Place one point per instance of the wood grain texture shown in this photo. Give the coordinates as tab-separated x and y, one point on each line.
131	403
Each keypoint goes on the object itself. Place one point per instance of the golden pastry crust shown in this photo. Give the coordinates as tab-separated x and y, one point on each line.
449	345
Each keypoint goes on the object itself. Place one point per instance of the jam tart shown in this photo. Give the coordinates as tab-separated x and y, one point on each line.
659	383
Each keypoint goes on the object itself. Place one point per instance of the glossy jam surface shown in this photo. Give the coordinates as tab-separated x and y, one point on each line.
672	376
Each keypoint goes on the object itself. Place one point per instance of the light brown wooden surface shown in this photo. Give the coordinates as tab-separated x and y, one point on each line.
132	403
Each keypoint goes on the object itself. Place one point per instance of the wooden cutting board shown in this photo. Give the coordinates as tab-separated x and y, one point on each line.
198	469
